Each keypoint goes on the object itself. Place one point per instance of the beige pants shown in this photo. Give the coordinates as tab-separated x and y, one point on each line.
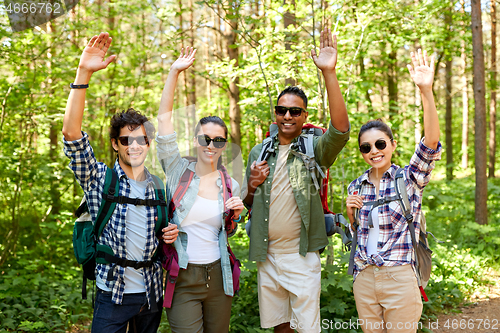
289	290
388	299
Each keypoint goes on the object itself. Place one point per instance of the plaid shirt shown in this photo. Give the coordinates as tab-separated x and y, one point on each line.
91	175
394	242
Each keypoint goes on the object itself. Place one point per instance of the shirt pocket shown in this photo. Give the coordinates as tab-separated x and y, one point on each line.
396	213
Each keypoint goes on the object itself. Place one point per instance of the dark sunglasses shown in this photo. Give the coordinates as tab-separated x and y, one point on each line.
204	140
128	140
365	148
295	111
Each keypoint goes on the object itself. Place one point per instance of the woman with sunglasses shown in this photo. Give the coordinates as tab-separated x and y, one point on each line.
385	284
203	292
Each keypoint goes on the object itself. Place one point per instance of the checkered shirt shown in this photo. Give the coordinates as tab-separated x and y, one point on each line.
91	175
394	242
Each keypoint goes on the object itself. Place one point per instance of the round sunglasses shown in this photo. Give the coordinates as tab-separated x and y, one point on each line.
204	140
128	140
365	148
295	111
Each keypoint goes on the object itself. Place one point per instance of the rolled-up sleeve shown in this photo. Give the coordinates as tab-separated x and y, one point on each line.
330	144
422	163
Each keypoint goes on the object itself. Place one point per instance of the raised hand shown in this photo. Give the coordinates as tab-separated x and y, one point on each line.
422	73
185	59
92	58
327	58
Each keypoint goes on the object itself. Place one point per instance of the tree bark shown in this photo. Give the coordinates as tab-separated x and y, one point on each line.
465	98
234	89
392	83
493	94
481	209
448	116
289	20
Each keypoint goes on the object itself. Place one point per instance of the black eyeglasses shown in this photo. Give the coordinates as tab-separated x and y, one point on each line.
365	148
128	140
204	140
295	111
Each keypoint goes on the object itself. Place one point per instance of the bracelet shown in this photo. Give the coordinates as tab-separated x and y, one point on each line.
236	220
78	86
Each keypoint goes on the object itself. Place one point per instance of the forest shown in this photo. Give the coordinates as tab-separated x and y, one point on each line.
247	52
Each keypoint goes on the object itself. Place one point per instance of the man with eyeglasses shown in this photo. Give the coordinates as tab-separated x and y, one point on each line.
288	225
125	295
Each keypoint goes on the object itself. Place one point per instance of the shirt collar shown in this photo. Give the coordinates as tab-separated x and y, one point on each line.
390	173
120	173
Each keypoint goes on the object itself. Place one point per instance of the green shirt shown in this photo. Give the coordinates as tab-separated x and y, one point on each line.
312	233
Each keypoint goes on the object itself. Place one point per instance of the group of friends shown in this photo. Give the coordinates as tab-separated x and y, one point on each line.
288	227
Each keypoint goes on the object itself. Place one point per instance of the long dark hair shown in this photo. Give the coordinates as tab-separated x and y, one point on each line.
214	120
377	124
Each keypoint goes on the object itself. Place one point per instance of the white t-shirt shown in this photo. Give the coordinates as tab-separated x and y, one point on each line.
202	225
373	233
135	240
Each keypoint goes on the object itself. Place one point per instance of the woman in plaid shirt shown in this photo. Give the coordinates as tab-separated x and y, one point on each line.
385	284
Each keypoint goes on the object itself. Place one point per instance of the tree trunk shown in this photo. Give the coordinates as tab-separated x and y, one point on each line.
481	214
493	94
465	97
448	117
234	90
289	20
54	125
392	83
192	77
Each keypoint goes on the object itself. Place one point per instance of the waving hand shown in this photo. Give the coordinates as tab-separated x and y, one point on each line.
92	58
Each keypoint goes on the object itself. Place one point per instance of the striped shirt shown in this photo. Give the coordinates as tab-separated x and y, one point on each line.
91	176
394	241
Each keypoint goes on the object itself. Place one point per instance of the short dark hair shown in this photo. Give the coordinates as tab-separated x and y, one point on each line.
294	90
132	119
377	124
211	119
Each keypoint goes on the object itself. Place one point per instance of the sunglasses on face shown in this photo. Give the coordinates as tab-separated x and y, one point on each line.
128	140
204	140
295	111
365	148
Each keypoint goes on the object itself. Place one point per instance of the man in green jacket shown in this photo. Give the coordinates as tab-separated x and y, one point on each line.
288	225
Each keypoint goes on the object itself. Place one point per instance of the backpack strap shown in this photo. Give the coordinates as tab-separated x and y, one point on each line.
354	244
162	207
111	189
305	144
267	149
230	225
181	189
405	204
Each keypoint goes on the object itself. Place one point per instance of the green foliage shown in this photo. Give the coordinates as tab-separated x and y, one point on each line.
39	296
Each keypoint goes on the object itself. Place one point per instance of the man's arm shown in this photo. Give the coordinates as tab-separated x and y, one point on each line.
92	60
326	62
184	61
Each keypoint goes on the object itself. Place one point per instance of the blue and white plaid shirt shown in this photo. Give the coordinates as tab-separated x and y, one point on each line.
394	241
91	175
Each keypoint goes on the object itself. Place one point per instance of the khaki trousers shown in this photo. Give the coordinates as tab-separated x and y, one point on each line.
199	303
388	299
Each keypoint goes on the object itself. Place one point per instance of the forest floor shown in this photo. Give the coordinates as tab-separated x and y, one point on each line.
480	314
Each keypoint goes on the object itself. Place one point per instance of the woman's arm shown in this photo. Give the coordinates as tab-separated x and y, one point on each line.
184	61
422	73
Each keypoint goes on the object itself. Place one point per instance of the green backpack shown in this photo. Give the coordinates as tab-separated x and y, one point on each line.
86	232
